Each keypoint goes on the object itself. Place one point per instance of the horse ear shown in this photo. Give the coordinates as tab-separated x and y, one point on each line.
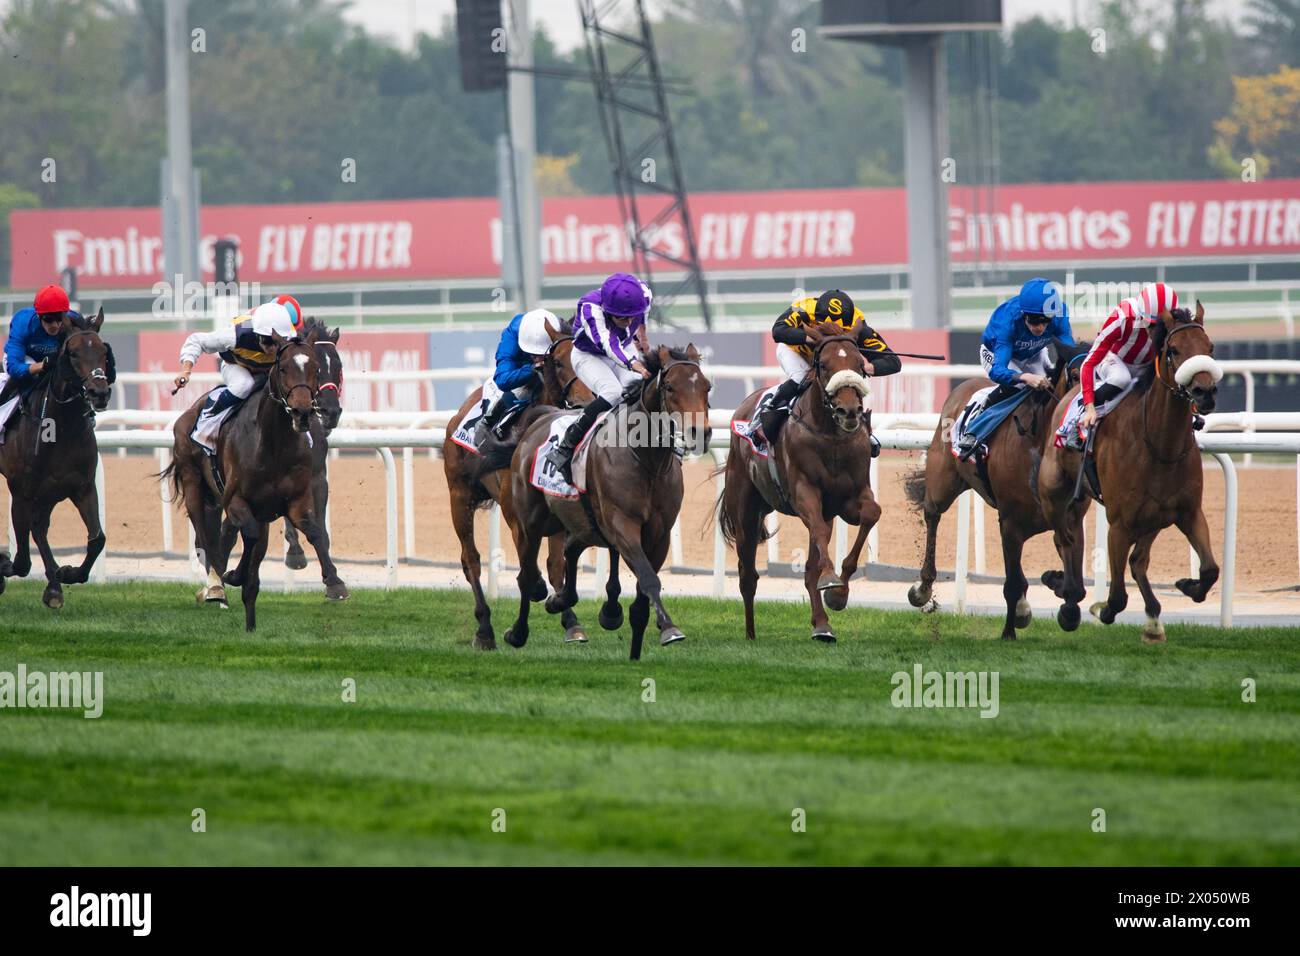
1200	313
334	335
279	340
98	321
552	332
692	352
1167	318
663	354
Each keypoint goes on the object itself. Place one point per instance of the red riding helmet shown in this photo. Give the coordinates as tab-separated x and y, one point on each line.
51	299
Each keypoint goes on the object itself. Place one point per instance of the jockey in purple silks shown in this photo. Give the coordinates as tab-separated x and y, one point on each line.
609	342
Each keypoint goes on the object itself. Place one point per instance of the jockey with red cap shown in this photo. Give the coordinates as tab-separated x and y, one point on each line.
1122	350
247	353
34	333
609	342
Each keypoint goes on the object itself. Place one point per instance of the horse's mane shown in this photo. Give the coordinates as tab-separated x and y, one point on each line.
675	352
1065	354
1159	332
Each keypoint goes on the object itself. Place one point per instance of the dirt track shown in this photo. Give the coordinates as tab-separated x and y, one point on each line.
1266	550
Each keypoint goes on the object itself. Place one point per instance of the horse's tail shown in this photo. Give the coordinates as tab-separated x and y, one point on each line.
726	521
914	487
172	477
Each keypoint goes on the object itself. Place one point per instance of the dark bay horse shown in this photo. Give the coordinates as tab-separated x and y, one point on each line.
822	458
474	482
1014	450
50	454
634	493
1149	469
265	468
329	408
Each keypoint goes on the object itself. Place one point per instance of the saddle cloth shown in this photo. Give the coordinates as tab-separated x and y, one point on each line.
547	479
1071	417
983	425
745	428
464	433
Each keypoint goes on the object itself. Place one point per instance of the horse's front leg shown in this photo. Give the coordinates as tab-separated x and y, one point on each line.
294	557
868	514
1193	525
625	534
302	513
53	596
611	612
88	507
21	515
566	588
819	573
253	579
1118	544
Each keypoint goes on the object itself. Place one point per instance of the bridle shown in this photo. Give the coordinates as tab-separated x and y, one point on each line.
277	385
655	380
63	358
336	386
1178	392
818	366
565	387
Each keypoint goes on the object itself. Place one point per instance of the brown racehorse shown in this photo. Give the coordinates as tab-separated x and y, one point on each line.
822	458
50	454
1149	468
1013	450
329	408
634	492
470	490
266	472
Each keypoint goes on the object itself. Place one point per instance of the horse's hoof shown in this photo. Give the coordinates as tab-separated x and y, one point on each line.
918	596
215	594
295	560
1054	580
20	569
71	575
1154	632
2	584
484	642
233	578
338	591
53	598
837	599
611	616
825	636
1009	635
1098	610
1192	587
670	635
555	604
6	567
575	635
516	641
930	606
1068	617
1024	615
828	581
539	592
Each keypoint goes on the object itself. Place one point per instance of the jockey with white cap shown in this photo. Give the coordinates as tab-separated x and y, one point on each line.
520	353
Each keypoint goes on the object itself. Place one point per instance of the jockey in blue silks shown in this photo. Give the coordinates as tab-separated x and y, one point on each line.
33	342
520	353
1014	354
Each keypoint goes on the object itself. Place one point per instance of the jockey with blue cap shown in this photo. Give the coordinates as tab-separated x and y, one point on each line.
1014	347
609	343
520	354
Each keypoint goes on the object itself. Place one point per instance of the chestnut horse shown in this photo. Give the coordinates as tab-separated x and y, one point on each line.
1149	469
471	486
50	454
264	471
822	459
633	497
1013	451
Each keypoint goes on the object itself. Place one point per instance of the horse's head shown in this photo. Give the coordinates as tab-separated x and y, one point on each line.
294	379
840	371
683	390
86	359
561	382
1069	363
1184	357
329	397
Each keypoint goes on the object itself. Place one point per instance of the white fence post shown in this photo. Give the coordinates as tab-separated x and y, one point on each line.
1229	581
963	548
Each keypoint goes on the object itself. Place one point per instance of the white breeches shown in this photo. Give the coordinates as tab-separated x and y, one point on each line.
792	363
1037	363
238	379
602	375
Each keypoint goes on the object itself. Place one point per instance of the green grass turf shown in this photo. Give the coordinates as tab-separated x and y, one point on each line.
253	730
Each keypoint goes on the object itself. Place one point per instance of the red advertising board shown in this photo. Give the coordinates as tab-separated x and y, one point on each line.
790	229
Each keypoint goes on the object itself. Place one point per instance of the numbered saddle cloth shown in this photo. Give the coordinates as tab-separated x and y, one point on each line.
1071	417
464	433
546	478
746	428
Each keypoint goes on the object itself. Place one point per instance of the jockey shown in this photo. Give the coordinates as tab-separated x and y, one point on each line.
247	353
520	353
794	354
609	341
1122	350
1013	349
33	333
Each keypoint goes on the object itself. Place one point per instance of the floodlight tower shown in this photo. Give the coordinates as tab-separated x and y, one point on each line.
918	27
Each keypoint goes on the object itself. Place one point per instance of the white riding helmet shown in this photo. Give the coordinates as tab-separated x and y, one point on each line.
532	331
273	317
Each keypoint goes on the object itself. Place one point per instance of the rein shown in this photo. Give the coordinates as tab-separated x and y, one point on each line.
646	383
1177	391
565	387
817	366
275	388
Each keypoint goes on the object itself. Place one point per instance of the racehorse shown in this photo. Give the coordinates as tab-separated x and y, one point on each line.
471	485
632	499
329	408
50	454
818	468
1000	479
263	470
1149	469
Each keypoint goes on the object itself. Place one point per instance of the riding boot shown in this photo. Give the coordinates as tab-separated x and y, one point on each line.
560	457
1104	392
773	415
490	419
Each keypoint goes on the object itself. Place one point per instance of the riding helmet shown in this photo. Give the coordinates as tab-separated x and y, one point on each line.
51	299
1041	296
835	306
623	294
532	331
